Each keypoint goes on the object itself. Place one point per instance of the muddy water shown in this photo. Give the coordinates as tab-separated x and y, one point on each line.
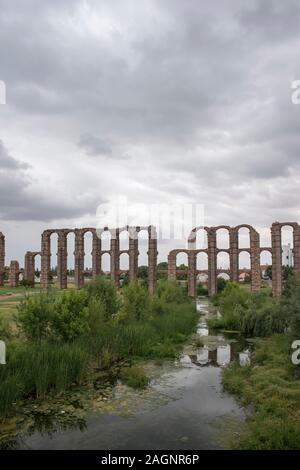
183	408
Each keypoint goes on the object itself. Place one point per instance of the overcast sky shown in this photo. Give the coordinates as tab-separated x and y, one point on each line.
157	100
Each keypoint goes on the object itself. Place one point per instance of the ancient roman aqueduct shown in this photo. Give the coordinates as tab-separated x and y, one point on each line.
114	252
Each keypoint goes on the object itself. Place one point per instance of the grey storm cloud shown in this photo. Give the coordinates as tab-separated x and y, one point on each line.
157	99
19	201
96	146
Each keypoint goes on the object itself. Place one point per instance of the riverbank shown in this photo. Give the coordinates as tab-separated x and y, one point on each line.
271	387
76	339
183	407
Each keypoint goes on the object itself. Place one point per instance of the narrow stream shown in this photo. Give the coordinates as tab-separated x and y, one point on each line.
183	408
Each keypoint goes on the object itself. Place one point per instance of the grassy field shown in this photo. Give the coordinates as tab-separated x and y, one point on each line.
9	299
271	386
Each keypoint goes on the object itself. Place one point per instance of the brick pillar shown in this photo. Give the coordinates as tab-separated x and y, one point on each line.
234	255
133	254
255	261
45	260
96	255
172	266
296	249
2	258
29	267
79	258
276	260
212	262
14	271
152	259
192	274
62	260
115	257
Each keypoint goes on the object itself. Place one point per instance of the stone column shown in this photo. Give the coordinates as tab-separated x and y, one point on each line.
296	252
172	266
212	262
234	255
133	254
255	261
79	258
62	260
96	255
2	258
14	271
115	257
192	274
45	260
276	260
152	259
29	267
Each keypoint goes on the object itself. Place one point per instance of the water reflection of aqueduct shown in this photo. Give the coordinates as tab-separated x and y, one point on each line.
211	251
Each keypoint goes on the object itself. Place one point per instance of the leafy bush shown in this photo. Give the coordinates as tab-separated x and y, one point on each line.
35	315
106	292
202	290
251	314
71	315
27	283
135	377
171	292
136	302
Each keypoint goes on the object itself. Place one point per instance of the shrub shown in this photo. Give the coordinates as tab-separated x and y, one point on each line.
171	292
27	283
106	292
135	377
35	314
136	302
71	315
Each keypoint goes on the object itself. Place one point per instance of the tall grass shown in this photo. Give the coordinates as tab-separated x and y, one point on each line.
65	334
273	388
33	370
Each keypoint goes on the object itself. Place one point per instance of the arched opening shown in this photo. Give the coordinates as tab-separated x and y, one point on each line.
143	241
266	267
71	260
244	267
53	259
124	240
223	260
182	266
105	240
223	241
37	269
105	263
244	237
88	248
287	246
124	269
202	261
201	239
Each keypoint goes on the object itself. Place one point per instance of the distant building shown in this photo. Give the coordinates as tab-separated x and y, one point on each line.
287	255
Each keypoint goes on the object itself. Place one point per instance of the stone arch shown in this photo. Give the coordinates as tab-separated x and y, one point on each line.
29	265
223	228
192	239
276	233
